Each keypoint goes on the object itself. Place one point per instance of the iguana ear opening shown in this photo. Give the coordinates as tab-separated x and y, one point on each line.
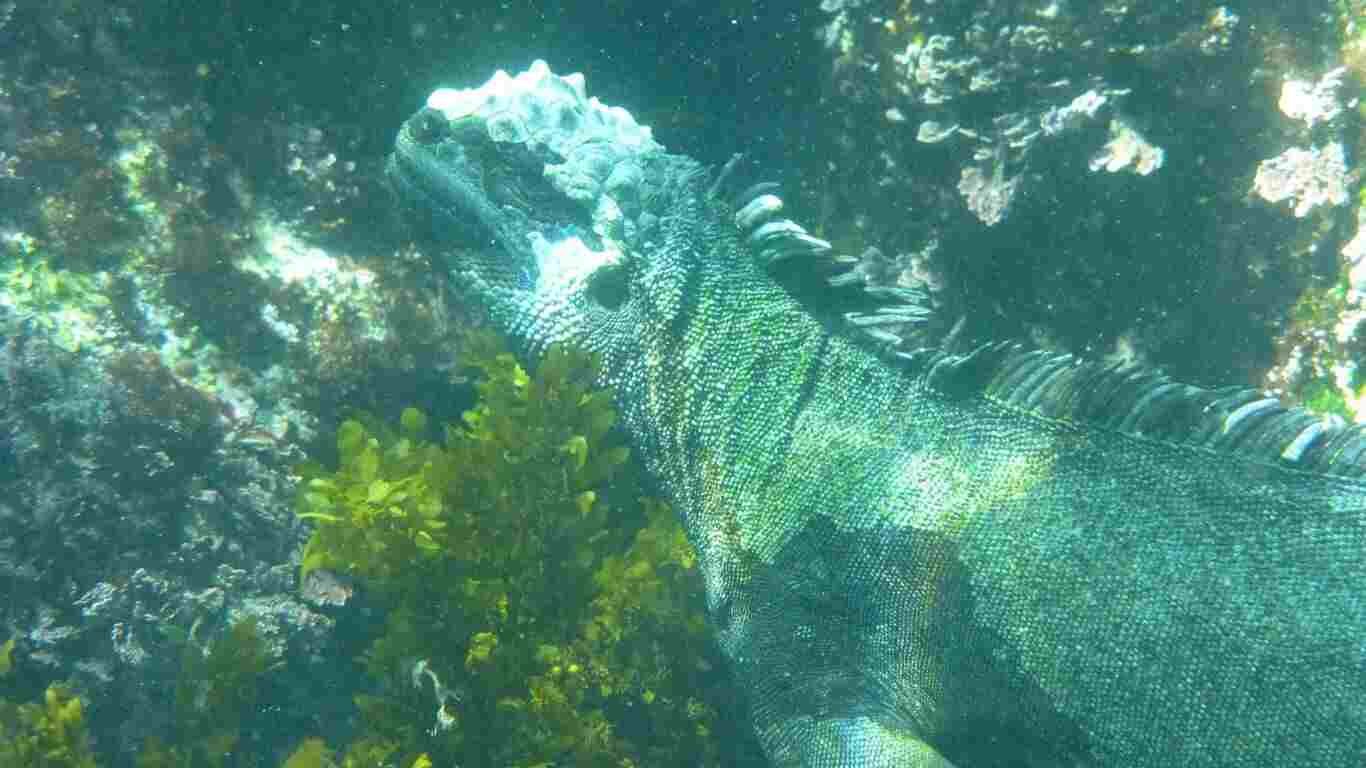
609	286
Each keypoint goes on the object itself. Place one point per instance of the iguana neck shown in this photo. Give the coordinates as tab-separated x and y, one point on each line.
733	378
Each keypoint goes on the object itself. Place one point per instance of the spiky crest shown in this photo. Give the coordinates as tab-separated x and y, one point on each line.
1128	398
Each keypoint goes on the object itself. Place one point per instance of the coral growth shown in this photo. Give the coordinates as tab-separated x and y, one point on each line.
83	218
169	427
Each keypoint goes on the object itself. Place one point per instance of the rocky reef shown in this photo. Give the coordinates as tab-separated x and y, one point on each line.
1169	185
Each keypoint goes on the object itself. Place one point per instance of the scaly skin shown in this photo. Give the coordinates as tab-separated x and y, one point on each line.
904	571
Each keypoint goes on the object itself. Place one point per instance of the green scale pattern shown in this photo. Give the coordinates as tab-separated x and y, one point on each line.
910	561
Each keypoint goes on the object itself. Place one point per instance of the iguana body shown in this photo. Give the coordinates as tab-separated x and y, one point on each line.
998	559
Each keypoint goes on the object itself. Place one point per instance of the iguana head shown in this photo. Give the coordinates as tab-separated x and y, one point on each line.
566	221
540	200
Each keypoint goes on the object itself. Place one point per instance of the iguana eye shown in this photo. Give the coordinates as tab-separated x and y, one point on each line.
608	286
430	127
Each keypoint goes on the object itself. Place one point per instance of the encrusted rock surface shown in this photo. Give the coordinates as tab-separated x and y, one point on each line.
1110	178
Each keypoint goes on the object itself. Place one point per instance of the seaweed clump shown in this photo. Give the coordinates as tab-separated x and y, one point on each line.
216	690
532	619
51	734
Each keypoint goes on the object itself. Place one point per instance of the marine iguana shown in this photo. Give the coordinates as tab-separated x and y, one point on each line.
914	558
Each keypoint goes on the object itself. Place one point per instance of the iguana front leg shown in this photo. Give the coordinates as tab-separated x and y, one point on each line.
855	741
